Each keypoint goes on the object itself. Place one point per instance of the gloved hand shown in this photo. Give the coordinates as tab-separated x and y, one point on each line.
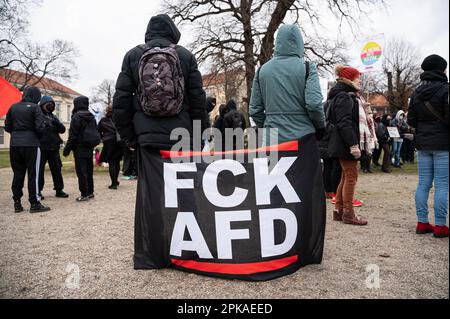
320	134
66	152
355	151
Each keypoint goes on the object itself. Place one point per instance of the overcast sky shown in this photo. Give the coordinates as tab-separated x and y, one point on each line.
105	30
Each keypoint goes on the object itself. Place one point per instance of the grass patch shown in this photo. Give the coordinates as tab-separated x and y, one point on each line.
68	163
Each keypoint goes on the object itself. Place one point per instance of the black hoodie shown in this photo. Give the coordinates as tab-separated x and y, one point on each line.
25	120
80	117
50	139
432	133
132	123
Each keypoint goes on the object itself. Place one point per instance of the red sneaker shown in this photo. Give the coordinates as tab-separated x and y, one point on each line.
441	231
333	200
357	203
423	229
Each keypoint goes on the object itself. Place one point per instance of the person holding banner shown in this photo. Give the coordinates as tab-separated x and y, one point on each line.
286	92
429	115
347	139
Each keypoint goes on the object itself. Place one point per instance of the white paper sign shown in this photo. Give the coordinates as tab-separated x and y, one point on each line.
393	132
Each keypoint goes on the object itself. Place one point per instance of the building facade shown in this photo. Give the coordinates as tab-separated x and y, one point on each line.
62	95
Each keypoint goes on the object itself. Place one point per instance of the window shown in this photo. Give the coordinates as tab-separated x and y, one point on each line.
2	135
69	111
58	109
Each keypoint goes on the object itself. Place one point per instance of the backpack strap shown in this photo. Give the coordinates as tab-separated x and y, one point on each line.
307	68
435	113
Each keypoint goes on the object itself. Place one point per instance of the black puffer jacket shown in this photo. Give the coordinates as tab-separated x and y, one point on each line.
132	123
81	116
107	130
25	121
382	131
344	115
50	139
432	134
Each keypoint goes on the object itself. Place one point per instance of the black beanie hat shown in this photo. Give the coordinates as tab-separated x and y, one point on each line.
434	63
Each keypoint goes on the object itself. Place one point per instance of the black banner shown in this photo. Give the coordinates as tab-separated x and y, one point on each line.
251	220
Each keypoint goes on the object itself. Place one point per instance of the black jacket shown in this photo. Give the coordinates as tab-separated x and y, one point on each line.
431	132
107	130
24	120
344	115
132	123
50	139
81	116
382	131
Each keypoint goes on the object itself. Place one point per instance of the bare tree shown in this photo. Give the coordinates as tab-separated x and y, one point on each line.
104	93
245	29
402	70
36	60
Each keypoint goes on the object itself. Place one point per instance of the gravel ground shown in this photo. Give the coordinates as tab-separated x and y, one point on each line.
36	251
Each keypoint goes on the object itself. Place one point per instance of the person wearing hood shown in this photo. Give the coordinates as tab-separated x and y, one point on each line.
83	138
134	126
284	96
146	133
348	139
429	115
400	122
51	141
25	121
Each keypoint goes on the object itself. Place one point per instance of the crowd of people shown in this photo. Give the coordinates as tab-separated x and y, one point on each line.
160	89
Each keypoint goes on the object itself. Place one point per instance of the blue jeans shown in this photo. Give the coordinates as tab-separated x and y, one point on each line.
396	152
433	165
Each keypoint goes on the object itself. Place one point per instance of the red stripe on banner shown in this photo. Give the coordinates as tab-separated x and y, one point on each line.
236	269
285	147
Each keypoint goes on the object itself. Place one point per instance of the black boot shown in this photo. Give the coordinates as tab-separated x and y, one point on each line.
61	194
38	208
18	208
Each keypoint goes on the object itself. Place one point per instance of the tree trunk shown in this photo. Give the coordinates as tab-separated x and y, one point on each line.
248	46
277	18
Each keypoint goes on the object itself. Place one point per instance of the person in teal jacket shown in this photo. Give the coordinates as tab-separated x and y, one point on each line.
283	95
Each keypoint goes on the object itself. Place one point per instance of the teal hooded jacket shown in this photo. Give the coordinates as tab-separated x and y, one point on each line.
280	97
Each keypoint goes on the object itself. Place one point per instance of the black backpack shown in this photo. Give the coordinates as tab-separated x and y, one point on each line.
161	82
90	135
329	123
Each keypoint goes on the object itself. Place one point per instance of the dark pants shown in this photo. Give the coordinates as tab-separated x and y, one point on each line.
114	171
332	172
25	160
129	163
376	155
408	151
387	159
54	162
366	162
85	172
